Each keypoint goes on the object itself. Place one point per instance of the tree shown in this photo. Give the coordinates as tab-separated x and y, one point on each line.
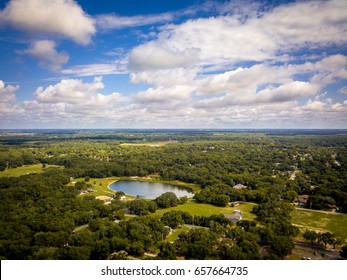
326	238
311	236
282	245
141	207
289	195
166	200
167	251
221	200
172	219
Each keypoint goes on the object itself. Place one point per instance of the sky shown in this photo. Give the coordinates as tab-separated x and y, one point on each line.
173	64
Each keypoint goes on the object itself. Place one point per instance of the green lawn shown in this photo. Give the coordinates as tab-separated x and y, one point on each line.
321	222
147	144
304	219
26	169
100	186
203	209
174	235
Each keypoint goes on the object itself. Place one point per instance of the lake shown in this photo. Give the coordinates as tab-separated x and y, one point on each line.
147	189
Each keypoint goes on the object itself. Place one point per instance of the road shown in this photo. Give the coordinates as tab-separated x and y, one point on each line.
308	251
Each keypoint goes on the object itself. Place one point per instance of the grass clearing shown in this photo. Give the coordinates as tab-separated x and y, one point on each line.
202	209
27	169
100	186
174	235
148	144
321	222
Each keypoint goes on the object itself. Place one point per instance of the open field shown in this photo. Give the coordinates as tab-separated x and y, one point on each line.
174	235
202	209
148	144
26	169
321	222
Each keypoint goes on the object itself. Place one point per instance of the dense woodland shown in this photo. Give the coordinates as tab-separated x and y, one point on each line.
43	218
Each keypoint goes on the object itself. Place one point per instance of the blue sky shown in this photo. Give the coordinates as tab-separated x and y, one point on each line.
173	64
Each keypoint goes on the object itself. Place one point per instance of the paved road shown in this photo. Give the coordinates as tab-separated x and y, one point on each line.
321	252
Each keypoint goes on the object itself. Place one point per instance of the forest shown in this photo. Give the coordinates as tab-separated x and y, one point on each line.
43	215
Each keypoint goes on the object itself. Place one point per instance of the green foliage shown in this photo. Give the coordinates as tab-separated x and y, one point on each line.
44	217
311	236
167	251
172	219
141	207
166	200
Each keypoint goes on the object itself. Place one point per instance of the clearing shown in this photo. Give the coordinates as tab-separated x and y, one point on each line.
27	169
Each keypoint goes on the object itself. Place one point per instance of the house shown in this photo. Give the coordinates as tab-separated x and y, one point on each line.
235	217
239	187
302	200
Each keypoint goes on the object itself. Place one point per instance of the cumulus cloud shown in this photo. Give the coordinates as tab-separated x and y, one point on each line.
45	51
59	17
166	77
236	69
343	90
153	56
68	103
286	92
258	37
165	94
7	98
70	91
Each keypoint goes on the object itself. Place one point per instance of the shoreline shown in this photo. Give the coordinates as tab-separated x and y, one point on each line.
191	188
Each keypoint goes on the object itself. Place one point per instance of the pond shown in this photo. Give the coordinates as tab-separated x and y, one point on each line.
147	189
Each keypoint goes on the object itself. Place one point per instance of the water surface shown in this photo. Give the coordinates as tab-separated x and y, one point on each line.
147	189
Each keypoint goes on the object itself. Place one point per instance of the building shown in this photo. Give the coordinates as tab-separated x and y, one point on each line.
235	217
239	187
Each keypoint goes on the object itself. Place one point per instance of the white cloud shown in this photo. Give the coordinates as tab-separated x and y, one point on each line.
286	92
7	98
69	103
153	56
166	77
70	91
193	76
112	21
343	90
117	67
7	93
165	94
306	24
59	17
235	38
45	51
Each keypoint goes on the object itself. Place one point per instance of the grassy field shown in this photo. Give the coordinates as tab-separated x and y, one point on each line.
148	144
173	236
26	169
203	209
321	222
100	186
